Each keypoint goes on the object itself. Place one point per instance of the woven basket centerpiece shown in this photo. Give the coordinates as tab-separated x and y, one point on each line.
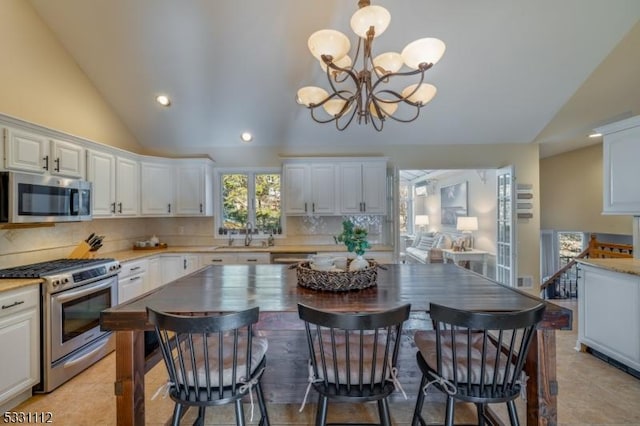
336	280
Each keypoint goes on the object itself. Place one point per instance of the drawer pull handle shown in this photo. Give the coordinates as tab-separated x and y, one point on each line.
16	303
216	260
252	260
135	268
134	278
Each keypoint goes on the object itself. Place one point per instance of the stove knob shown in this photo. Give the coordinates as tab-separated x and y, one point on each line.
56	283
66	280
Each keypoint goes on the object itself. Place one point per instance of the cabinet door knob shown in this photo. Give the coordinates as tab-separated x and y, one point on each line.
113	207
169	208
119	207
46	162
200	207
57	167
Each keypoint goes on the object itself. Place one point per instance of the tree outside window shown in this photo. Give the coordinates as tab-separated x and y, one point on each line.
253	198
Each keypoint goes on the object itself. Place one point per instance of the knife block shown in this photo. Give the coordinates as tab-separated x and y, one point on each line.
82	251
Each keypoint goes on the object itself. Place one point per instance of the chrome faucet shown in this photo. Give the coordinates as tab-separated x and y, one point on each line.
248	237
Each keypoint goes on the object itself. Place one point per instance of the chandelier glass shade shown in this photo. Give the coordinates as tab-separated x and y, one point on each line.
369	88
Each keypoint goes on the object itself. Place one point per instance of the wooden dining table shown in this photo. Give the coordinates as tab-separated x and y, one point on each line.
274	288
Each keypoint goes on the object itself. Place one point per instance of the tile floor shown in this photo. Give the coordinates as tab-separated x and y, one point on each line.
591	392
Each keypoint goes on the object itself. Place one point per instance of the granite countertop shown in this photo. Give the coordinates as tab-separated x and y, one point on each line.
7	284
625	265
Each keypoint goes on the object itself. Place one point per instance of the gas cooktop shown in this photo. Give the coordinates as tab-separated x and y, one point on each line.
42	269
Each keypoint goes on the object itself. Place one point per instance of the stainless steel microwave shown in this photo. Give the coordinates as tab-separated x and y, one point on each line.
28	198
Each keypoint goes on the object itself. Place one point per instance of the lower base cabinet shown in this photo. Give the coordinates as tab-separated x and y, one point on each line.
174	266
20	343
244	258
609	320
132	279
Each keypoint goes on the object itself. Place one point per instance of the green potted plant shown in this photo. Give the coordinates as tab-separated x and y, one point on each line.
355	239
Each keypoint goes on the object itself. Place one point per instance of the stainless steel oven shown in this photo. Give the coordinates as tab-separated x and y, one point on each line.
74	293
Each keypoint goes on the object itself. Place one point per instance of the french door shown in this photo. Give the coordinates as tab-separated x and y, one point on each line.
506	259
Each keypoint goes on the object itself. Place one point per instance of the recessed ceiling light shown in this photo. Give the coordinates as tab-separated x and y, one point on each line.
595	135
163	100
246	137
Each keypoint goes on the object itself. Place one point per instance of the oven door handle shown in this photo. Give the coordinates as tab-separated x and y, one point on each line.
87	289
83	357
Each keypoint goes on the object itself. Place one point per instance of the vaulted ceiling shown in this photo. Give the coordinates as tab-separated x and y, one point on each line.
514	71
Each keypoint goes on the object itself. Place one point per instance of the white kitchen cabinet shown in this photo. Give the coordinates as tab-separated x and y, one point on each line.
176	265
621	174
363	187
218	259
154	273
310	188
132	279
115	182
241	258
609	320
36	153
194	188
157	188
67	159
20	342
180	187
26	151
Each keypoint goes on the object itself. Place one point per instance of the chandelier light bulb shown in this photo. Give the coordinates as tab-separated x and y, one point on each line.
329	42
334	106
390	61
370	16
424	94
424	50
311	95
387	108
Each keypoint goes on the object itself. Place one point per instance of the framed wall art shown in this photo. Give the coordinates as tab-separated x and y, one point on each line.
453	203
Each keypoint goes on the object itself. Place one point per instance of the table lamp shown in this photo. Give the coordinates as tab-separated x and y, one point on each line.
421	221
468	224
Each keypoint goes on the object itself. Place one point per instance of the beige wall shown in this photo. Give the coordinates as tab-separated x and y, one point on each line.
571	188
42	84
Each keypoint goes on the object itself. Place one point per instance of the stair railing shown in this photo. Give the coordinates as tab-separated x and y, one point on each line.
564	283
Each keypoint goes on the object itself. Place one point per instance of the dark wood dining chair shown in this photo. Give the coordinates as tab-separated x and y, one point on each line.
475	357
353	356
212	360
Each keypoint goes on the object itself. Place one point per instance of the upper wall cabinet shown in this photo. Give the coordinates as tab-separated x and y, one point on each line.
115	182
176	187
194	187
621	174
363	188
157	183
310	188
31	152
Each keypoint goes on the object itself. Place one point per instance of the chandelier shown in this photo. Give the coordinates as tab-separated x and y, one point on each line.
369	93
